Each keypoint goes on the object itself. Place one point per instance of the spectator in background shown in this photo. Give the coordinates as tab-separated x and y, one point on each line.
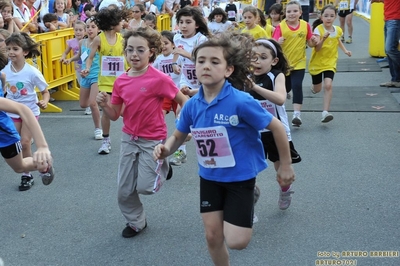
305	9
42	6
51	23
206	8
106	3
22	16
6	9
160	4
184	3
4	34
392	37
151	8
231	10
269	3
31	7
171	6
88	11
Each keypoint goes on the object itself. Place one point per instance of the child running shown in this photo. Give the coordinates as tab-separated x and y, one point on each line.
10	144
194	31
109	45
22	78
269	29
250	18
274	15
73	44
270	67
324	56
141	90
163	63
89	84
293	34
224	122
218	21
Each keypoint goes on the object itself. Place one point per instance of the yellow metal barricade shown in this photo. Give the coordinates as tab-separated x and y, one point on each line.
57	75
376	31
163	22
319	4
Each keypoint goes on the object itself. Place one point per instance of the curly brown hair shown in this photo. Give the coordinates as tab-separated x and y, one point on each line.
152	37
237	50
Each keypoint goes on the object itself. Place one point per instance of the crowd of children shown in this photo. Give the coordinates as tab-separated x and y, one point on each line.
205	68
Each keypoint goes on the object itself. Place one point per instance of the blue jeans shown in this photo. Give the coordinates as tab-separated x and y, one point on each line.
392	37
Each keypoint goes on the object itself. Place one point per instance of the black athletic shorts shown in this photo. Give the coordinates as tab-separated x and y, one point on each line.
12	150
235	199
271	151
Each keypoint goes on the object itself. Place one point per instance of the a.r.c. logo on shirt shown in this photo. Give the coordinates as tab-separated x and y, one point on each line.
234	120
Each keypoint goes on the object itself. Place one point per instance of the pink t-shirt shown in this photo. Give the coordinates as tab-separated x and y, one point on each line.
278	33
143	98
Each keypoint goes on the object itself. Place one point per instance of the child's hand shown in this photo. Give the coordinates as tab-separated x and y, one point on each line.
85	72
314	39
160	152
281	40
348	53
67	61
177	69
102	98
185	90
42	159
42	104
179	51
285	175
326	34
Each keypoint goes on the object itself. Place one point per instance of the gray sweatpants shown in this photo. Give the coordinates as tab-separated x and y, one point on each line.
138	173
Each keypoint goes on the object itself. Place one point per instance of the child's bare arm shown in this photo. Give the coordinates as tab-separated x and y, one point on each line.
42	154
285	174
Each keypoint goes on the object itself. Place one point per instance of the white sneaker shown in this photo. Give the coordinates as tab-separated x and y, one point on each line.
296	120
98	134
105	147
88	111
326	118
285	198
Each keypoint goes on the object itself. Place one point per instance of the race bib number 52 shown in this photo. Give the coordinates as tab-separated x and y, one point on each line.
213	148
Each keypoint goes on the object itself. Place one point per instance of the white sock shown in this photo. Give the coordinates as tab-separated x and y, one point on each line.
183	148
296	112
26	173
324	113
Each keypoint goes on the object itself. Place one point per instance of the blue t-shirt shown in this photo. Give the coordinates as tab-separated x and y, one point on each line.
159	4
8	133
243	117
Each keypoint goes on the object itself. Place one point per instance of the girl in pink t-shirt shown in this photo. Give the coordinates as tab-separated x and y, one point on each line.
141	90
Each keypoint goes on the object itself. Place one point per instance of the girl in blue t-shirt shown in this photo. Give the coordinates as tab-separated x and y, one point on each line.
10	144
225	124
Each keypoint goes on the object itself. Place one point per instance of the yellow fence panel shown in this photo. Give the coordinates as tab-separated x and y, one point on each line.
57	75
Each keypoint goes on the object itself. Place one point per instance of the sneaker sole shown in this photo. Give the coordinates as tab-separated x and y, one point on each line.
104	152
170	172
175	163
296	122
46	180
327	118
98	137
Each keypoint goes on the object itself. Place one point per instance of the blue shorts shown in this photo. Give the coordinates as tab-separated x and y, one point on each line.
87	82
